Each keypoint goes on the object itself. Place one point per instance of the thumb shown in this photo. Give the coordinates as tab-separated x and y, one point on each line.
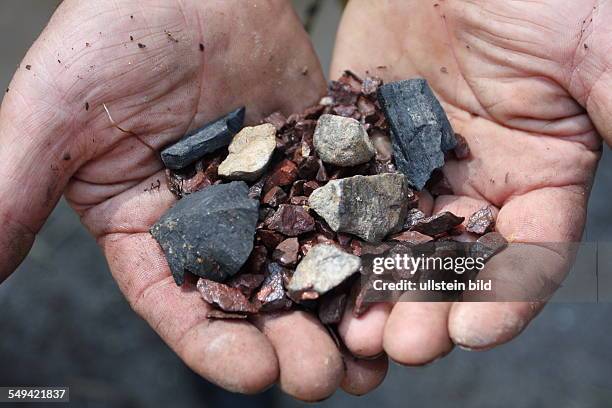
35	165
589	75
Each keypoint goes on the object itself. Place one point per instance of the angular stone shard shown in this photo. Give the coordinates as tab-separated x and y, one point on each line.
207	139
332	307
209	233
249	153
286	253
420	130
225	297
412	237
323	268
370	207
413	216
291	220
481	222
272	296
246	282
437	224
488	245
342	141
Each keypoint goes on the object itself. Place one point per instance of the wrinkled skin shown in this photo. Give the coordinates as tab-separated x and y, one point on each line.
528	85
56	137
530	105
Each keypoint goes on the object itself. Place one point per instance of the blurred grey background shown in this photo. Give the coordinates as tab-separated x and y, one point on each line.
64	322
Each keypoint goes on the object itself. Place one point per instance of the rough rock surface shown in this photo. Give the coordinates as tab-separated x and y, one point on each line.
209	233
481	222
322	269
272	296
437	224
291	220
489	245
225	297
420	130
370	207
202	141
331	308
342	141
249	153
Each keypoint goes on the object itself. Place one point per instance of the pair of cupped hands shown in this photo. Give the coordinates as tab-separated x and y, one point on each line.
108	84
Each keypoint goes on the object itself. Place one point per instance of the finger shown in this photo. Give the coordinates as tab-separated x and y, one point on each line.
33	173
362	376
546	217
311	366
232	354
417	332
363	335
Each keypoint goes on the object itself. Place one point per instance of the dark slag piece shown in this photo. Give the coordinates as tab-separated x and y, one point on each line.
225	297
481	222
437	224
331	307
420	130
489	245
207	139
208	233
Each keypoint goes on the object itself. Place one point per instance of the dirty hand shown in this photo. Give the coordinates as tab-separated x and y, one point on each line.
526	83
107	85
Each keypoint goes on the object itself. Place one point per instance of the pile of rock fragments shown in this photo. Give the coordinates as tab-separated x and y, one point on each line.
279	215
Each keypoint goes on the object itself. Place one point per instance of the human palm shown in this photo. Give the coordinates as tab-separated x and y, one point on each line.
516	92
103	89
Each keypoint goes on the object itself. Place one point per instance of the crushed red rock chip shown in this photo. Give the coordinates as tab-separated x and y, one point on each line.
284	174
291	220
437	224
272	295
411	237
274	197
247	282
225	297
286	253
481	222
462	150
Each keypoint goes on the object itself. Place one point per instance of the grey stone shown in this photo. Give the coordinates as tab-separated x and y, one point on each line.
420	130
323	268
342	141
249	153
370	207
209	233
207	139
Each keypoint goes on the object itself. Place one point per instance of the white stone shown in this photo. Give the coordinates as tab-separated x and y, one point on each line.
342	141
249	153
323	268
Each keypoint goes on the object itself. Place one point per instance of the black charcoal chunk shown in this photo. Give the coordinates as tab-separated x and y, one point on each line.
420	130
209	233
207	139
